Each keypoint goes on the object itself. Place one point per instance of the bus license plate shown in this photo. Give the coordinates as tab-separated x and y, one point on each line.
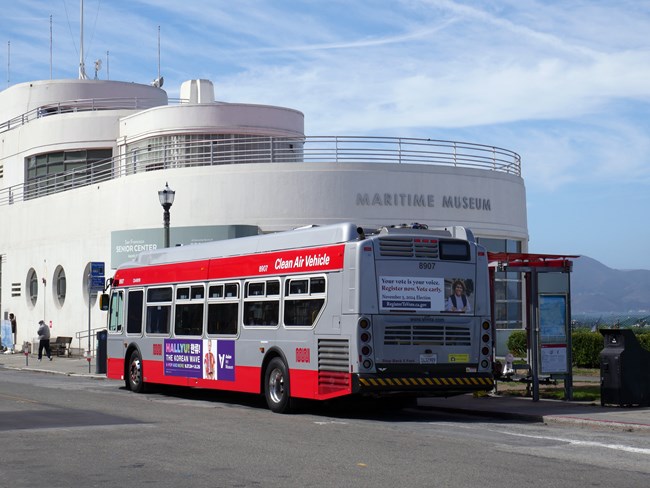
428	359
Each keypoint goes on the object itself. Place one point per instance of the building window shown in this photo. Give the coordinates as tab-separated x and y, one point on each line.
59	285
32	287
185	150
62	170
508	303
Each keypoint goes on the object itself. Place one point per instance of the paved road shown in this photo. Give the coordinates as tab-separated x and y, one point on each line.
78	431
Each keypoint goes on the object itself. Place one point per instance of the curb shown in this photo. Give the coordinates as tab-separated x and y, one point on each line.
49	371
540	418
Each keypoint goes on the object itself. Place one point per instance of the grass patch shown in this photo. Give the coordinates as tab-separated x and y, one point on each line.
595	372
581	393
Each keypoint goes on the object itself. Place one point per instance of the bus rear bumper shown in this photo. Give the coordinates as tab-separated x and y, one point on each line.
424	385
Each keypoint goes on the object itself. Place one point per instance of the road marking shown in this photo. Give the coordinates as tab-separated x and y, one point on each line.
616	447
19	399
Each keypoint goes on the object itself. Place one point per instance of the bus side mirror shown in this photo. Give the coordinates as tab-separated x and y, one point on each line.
103	302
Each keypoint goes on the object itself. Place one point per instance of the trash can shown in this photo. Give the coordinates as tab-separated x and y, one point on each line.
100	363
624	370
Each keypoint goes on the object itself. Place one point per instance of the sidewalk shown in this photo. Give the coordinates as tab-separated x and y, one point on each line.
546	411
59	365
501	407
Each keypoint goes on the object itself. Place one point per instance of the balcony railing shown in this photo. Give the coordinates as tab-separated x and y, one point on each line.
81	105
343	150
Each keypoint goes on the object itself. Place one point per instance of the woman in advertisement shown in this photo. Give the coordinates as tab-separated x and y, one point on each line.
458	300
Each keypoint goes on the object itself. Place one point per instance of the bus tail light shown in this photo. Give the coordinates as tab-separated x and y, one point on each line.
365	343
486	348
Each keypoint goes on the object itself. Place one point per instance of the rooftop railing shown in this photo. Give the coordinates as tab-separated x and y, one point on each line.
81	105
343	150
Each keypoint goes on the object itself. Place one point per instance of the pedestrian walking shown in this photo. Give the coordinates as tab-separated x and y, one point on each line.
44	340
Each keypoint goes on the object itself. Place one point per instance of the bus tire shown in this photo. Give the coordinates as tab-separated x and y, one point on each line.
134	377
276	386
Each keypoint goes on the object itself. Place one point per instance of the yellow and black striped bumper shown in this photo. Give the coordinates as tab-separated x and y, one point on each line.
424	384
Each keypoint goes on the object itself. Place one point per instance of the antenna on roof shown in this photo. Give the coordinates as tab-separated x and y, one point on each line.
98	66
50	47
8	61
158	82
82	68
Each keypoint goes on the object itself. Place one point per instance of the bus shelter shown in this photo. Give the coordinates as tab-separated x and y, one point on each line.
547	312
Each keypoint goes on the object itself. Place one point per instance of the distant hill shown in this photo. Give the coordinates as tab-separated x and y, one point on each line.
597	288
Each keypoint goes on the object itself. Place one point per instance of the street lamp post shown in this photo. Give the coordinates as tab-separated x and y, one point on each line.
166	196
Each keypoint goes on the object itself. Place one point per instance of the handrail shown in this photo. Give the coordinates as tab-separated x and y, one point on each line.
260	149
84	335
80	105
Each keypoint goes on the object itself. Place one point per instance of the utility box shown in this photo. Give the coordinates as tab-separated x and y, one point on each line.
102	346
624	370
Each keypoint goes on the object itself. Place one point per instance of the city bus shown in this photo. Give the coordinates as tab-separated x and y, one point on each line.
313	313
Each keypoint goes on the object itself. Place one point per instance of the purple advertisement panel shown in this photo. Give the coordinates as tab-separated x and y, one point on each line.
183	358
226	360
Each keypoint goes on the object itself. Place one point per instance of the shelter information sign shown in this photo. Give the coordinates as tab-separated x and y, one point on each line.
553	333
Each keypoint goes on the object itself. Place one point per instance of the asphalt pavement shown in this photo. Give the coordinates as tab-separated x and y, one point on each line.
493	405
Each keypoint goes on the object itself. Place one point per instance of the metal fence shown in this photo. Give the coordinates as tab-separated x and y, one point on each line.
179	153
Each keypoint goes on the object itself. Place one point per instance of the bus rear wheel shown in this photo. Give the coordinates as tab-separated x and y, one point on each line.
276	386
134	378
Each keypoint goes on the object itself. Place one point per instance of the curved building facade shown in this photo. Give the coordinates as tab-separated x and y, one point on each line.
82	161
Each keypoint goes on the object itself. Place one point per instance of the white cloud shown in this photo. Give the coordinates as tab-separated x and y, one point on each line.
564	84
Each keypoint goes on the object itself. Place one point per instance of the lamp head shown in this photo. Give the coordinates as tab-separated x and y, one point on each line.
166	196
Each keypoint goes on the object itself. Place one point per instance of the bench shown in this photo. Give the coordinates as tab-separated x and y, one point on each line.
521	373
61	346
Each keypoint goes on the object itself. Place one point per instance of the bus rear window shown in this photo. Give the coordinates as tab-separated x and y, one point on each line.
454	251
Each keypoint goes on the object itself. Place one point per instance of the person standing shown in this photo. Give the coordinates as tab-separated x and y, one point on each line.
44	340
14	327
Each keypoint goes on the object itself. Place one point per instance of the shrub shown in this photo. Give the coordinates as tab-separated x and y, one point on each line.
644	339
586	349
518	343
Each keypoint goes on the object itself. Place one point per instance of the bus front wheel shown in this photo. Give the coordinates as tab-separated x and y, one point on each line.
276	386
134	378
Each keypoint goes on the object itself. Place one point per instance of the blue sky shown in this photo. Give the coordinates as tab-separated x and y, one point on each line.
566	84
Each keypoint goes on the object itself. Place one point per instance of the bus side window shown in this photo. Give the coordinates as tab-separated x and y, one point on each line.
222	318
159	310
116	313
304	299
188	310
223	309
262	303
134	312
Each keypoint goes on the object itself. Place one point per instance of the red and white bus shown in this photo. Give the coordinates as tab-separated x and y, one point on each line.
312	313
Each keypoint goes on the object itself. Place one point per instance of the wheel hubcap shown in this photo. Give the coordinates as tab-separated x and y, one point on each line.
276	386
135	372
